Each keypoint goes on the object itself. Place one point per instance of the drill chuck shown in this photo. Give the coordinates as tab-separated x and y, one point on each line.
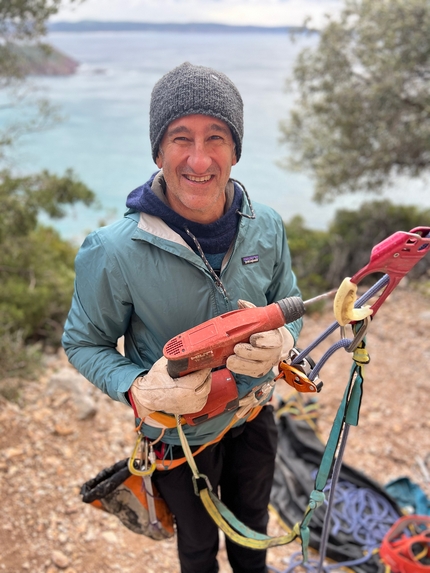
292	308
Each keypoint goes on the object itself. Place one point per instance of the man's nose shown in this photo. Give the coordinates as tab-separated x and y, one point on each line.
199	159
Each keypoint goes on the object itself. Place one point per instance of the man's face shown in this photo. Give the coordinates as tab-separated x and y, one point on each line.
196	154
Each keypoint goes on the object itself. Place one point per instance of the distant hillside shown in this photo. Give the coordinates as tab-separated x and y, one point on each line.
96	26
42	60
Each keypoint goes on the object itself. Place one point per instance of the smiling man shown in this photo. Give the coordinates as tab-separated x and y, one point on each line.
190	247
196	154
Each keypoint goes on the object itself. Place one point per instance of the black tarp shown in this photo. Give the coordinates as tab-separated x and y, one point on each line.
298	458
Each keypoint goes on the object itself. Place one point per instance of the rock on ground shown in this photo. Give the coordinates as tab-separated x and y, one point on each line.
64	431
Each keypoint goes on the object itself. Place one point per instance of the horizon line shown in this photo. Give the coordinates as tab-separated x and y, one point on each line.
134	23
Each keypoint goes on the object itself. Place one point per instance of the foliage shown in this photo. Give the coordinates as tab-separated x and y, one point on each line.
353	234
311	257
23	198
322	259
363	112
22	24
36	265
22	20
36	286
17	360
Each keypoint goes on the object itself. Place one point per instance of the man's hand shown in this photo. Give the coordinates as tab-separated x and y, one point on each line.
157	391
262	353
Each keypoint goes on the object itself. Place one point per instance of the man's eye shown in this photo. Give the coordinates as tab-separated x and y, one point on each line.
181	138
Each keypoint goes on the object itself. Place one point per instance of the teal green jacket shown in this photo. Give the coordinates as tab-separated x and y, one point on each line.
137	278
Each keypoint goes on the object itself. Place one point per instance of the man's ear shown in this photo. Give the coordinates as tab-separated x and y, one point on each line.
234	160
159	160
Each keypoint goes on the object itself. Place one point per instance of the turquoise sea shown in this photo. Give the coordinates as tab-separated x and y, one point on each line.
104	132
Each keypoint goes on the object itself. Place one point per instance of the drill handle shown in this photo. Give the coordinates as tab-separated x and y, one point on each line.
175	368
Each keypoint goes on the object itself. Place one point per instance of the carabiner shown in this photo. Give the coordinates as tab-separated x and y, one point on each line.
360	334
145	461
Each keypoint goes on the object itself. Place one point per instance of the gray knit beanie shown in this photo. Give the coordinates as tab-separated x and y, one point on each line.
188	90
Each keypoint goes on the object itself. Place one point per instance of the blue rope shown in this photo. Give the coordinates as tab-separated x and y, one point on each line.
383	281
310	567
343	343
361	513
315	343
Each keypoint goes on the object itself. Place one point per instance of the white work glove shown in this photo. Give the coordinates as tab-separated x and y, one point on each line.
262	353
157	391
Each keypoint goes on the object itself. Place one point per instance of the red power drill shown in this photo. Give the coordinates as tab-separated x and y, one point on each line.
209	344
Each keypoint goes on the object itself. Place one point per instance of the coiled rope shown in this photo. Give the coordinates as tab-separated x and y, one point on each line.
360	513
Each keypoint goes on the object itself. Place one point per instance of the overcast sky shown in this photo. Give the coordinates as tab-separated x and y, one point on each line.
239	12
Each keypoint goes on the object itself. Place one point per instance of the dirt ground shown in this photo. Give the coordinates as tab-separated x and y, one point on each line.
56	438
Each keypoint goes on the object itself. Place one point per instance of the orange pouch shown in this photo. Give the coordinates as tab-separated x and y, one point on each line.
123	494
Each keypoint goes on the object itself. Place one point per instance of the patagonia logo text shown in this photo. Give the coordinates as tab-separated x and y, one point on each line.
250	259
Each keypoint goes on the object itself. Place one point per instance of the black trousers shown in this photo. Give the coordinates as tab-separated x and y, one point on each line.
241	468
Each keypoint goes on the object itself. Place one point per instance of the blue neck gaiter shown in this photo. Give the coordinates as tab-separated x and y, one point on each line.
214	237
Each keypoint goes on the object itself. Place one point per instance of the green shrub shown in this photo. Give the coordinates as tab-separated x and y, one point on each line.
311	257
19	361
36	267
322	259
36	286
353	234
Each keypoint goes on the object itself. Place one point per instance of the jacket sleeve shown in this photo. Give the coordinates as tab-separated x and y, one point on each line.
284	282
99	315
